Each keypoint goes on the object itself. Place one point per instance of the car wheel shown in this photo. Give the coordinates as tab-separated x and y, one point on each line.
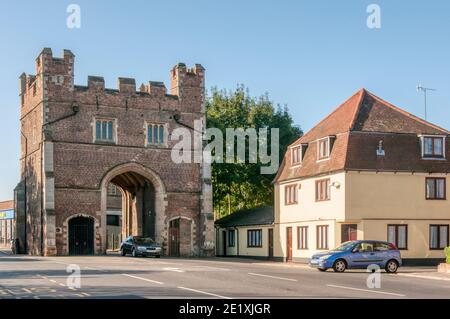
158	256
133	253
122	252
391	266
322	269
339	265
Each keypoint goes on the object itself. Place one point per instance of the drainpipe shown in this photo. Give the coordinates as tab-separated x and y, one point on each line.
25	245
237	241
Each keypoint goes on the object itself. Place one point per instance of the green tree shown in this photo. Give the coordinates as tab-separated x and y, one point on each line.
242	186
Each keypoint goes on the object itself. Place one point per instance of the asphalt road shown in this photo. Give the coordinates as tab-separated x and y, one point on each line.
220	278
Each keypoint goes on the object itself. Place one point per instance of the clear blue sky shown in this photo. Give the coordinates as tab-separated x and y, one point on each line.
310	55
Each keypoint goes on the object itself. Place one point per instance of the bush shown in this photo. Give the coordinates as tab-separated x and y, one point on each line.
447	254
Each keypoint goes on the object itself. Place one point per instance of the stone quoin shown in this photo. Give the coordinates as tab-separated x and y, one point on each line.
76	140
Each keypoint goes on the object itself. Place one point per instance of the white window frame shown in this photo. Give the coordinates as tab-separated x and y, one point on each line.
299	149
166	135
114	128
327	157
422	146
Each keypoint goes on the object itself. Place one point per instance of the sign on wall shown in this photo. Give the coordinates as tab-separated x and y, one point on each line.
7	214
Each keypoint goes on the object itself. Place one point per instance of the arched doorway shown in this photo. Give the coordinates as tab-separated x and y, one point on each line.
143	202
81	236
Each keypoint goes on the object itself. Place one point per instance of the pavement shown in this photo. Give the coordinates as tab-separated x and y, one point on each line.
113	276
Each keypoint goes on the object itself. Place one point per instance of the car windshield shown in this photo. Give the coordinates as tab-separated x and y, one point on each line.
345	246
143	240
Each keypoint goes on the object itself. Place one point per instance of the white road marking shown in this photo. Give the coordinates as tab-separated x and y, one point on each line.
273	277
367	290
62	285
85	294
144	279
424	277
27	290
213	268
204	292
53	281
173	269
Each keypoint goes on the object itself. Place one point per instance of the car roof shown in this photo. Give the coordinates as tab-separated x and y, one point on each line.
370	241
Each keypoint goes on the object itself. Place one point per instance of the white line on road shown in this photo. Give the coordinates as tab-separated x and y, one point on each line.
144	279
204	292
213	268
273	277
173	269
367	290
424	277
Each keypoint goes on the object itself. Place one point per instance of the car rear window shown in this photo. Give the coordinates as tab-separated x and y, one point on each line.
382	247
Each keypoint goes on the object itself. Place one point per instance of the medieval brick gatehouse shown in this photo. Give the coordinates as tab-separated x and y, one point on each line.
76	140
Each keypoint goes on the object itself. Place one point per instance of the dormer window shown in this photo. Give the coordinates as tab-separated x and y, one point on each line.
296	155
323	149
433	146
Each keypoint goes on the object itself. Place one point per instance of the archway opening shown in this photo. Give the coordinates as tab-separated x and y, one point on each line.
138	205
81	236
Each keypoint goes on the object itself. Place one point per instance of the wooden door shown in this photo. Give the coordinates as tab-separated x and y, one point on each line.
174	238
289	244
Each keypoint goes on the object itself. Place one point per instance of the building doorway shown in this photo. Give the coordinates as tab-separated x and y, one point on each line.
349	232
289	244
270	243
174	238
81	236
224	243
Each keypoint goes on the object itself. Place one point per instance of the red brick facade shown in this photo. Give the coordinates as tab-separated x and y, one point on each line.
65	170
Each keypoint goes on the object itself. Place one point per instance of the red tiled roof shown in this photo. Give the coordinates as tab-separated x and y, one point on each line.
358	125
7	205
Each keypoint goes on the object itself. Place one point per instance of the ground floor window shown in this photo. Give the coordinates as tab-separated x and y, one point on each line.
438	236
302	237
398	235
349	232
231	238
322	237
113	220
254	238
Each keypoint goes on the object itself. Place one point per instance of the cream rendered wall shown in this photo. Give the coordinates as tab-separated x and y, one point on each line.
307	207
390	195
418	236
312	238
241	240
256	251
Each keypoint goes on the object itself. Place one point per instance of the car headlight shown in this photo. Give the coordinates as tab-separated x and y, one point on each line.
325	257
141	248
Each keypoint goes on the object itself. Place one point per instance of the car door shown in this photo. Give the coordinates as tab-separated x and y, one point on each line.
127	244
362	255
382	253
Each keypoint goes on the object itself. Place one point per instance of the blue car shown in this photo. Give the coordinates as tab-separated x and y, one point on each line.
359	254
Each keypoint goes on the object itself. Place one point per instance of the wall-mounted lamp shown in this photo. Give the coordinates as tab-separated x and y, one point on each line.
336	185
